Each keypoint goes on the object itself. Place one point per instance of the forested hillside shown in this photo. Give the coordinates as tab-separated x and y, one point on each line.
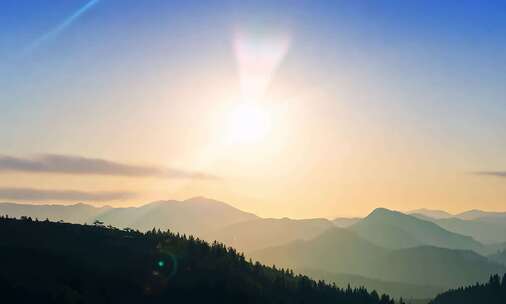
46	262
492	292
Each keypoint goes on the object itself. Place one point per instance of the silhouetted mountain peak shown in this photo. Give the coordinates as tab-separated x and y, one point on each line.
201	200
87	206
393	229
385	213
198	201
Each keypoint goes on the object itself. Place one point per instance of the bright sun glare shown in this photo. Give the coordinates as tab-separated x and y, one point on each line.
248	123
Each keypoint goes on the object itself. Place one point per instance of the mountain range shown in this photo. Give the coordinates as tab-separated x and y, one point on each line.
397	253
261	233
395	230
49	262
485	227
195	216
344	251
466	215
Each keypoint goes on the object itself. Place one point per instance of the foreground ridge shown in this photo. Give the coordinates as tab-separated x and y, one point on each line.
492	292
50	262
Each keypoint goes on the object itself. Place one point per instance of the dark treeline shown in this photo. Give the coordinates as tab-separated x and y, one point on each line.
47	262
492	292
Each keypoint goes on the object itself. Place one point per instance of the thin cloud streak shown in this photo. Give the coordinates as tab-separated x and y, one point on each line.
62	26
32	194
492	173
70	164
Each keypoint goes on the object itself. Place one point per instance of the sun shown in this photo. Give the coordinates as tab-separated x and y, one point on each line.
248	123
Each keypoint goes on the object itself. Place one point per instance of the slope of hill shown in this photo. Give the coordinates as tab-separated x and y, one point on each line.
345	222
423	217
406	291
499	257
487	232
436	266
261	233
193	216
341	251
395	230
479	214
44	262
492	292
336	250
431	213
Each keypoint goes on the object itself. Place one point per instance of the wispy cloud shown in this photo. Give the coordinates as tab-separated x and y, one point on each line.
62	26
32	194
70	164
492	173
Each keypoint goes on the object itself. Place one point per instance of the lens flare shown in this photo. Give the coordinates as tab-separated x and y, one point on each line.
258	57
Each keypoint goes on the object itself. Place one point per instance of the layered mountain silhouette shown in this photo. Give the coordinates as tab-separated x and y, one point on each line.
395	230
76	213
196	216
479	214
44	262
338	250
488	228
431	213
392	251
345	222
261	233
466	215
447	267
482	230
343	251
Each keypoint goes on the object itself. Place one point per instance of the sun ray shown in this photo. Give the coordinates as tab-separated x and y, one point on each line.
258	57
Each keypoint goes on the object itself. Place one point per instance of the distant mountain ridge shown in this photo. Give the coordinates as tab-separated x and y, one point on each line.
336	250
75	213
486	227
396	230
466	215
432	213
345	222
265	232
479	214
342	251
196	215
485	231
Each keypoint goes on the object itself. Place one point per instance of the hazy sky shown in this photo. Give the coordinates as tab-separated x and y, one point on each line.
298	108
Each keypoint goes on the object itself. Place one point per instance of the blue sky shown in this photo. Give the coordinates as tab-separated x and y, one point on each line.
425	78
